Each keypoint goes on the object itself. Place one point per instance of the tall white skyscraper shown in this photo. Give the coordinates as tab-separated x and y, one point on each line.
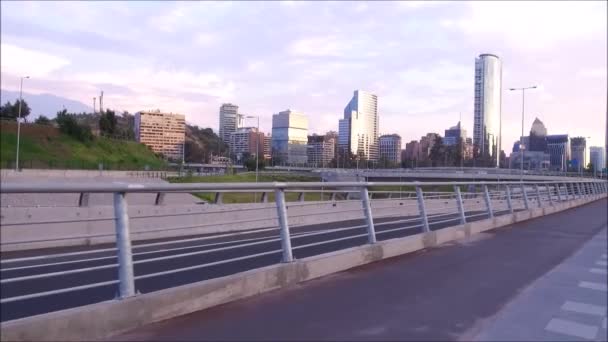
230	121
358	131
487	115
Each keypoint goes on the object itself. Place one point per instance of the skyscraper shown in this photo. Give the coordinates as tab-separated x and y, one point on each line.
358	130
558	146
578	146
487	116
230	121
289	137
596	157
538	137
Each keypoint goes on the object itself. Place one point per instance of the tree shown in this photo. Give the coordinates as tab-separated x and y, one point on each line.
11	111
43	120
590	167
250	163
437	154
107	123
68	125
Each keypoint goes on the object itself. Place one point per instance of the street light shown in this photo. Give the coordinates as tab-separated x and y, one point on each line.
521	140
257	144
19	122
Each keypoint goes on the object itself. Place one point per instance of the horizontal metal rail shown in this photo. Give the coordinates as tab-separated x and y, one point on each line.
433	209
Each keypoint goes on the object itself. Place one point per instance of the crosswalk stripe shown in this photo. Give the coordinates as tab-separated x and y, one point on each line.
584	308
570	328
593	286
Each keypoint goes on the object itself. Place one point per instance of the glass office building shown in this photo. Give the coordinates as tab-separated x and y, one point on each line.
289	138
359	129
488	90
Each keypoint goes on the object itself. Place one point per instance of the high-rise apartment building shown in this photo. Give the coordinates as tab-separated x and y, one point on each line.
426	144
390	147
267	146
578	148
246	140
164	133
487	107
358	130
412	150
230	121
597	157
321	150
289	137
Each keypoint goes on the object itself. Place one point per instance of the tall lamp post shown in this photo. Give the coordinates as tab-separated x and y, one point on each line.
257	144
521	140
19	122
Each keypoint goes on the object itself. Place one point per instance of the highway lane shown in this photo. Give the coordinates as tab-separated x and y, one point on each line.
261	241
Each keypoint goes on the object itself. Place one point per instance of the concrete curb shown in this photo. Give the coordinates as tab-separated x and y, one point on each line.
102	320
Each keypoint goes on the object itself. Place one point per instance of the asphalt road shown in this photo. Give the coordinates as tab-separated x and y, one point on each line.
437	294
267	241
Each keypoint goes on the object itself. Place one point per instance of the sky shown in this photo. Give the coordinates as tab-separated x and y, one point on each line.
418	57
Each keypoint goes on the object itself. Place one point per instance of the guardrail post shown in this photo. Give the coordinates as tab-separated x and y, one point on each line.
580	190
333	196
509	202
367	211
126	280
83	199
486	195
540	204
279	196
558	191
160	198
264	198
301	197
422	210
525	196
572	191
463	218
218	198
549	193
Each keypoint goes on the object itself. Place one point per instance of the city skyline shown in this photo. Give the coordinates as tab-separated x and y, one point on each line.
419	83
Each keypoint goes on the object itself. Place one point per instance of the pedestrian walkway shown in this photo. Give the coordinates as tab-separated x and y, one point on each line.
567	304
452	292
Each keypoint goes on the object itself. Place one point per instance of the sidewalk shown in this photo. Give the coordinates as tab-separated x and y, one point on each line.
567	304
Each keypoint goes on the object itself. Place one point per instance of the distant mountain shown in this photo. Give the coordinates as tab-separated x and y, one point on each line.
45	104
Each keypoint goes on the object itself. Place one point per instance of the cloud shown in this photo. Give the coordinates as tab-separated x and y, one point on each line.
20	61
533	24
599	72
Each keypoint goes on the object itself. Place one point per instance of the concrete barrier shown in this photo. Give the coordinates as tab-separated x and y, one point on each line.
102	320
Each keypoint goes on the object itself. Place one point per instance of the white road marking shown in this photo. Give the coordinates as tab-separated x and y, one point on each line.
593	286
602	263
598	271
570	328
584	308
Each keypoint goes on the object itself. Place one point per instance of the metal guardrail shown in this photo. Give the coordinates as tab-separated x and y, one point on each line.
433	211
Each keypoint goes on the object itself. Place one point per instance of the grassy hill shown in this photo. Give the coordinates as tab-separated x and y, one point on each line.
46	147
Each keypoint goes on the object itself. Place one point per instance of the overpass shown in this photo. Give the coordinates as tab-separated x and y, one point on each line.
66	292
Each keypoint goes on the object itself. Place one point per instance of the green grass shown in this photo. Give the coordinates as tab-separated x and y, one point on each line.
61	151
249	177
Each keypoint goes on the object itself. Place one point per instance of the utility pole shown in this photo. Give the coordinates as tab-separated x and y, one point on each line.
101	102
94	104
